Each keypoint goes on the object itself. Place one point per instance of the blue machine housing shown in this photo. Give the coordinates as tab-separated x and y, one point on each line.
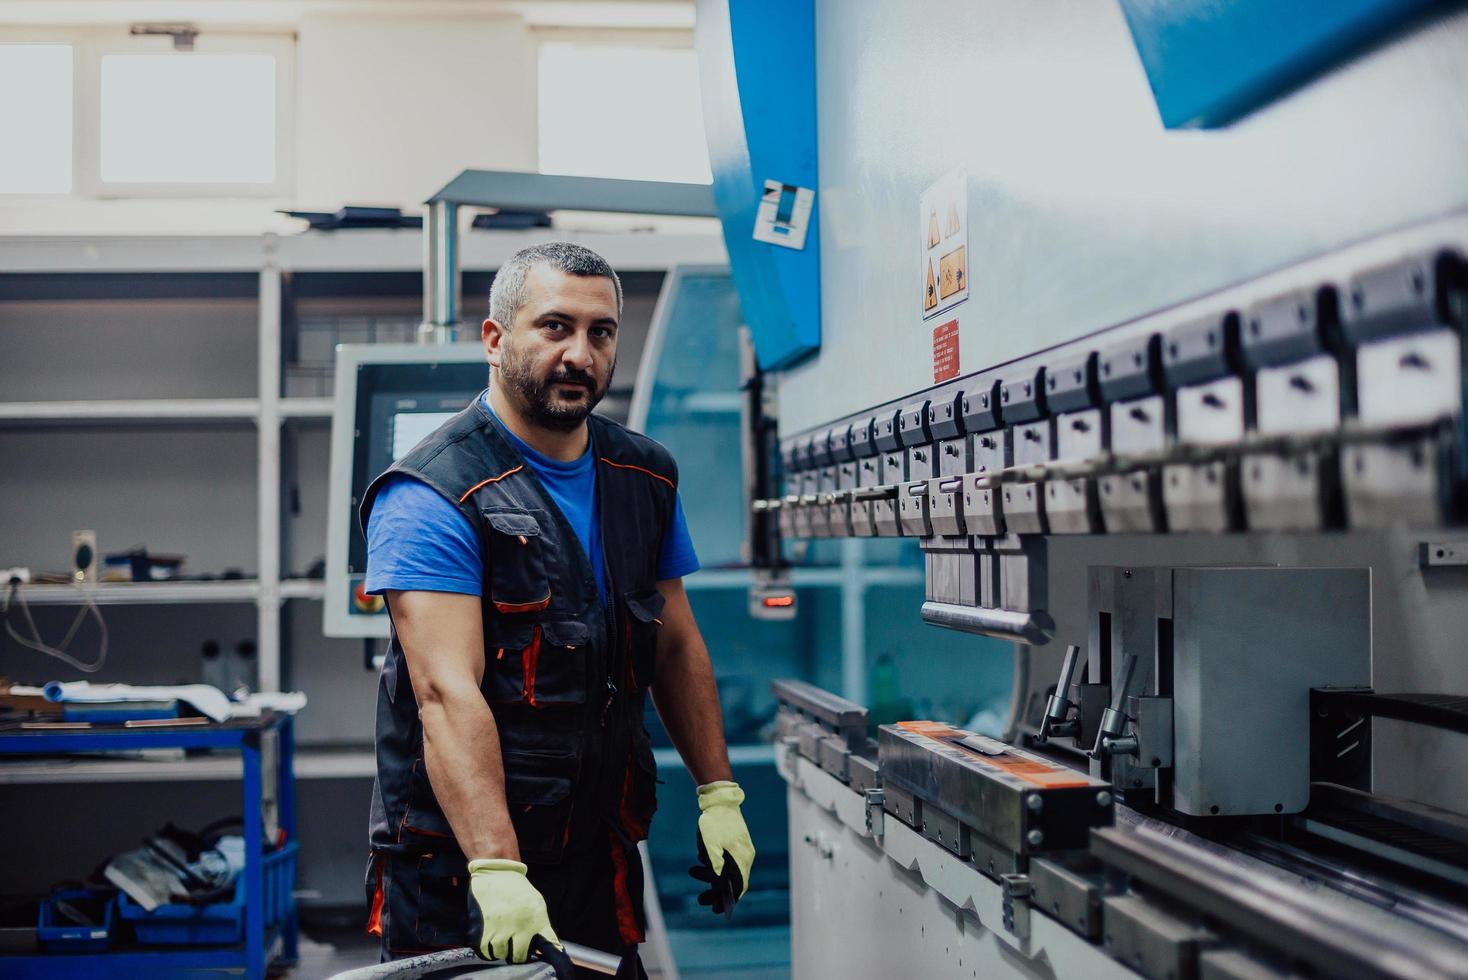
757	62
1212	61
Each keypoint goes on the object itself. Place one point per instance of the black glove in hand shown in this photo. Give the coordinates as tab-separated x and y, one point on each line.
724	889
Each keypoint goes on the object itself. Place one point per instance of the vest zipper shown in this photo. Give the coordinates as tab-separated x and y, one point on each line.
607	704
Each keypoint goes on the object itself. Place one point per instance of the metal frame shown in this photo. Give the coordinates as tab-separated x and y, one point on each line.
245	738
512	191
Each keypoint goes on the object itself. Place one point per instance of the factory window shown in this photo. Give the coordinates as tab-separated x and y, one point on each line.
212	120
35	118
619	111
103	113
194	119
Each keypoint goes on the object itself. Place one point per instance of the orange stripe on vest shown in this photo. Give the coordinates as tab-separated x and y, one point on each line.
629	466
485	483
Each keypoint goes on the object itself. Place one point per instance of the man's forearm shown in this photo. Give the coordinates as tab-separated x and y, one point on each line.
461	749
687	700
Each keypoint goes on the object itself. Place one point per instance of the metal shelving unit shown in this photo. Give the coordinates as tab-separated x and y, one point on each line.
141	593
132	411
269	257
243	743
165	593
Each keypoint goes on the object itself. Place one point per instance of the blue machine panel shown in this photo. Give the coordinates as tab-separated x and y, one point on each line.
1211	61
757	62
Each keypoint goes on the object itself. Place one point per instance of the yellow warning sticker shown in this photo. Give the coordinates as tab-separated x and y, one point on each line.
943	217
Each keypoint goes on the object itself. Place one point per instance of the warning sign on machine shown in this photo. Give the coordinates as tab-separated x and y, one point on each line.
945	351
944	230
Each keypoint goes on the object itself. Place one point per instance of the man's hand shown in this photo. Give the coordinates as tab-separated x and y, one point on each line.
723	845
505	911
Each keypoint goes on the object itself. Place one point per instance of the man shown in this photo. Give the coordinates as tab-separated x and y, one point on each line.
532	556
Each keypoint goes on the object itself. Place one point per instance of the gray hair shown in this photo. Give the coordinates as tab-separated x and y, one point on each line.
507	292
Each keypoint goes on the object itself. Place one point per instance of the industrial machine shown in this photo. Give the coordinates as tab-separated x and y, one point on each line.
1180	413
388	398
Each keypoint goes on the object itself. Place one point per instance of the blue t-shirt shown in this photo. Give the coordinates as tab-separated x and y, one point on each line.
418	540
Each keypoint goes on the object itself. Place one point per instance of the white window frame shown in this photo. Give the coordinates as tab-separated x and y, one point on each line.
44	35
89	113
89	46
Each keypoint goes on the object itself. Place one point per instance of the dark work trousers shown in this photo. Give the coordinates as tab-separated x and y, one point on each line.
420	902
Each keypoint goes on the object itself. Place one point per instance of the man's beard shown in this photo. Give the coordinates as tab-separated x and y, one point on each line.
540	403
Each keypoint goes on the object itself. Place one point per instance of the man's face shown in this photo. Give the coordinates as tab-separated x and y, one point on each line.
556	360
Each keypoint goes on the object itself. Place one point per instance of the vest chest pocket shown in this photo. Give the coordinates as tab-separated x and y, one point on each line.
539	664
644	606
517	578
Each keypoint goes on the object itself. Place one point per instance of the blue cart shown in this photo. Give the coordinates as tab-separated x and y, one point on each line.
244	736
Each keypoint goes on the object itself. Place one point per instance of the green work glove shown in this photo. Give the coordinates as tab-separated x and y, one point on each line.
505	911
724	847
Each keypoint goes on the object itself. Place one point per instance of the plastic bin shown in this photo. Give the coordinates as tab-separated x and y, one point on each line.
222	923
58	935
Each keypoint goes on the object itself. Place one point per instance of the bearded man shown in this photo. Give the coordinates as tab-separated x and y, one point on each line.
531	555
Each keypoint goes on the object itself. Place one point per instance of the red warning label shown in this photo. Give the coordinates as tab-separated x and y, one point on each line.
945	351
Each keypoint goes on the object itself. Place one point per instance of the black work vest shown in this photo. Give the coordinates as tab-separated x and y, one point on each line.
564	674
